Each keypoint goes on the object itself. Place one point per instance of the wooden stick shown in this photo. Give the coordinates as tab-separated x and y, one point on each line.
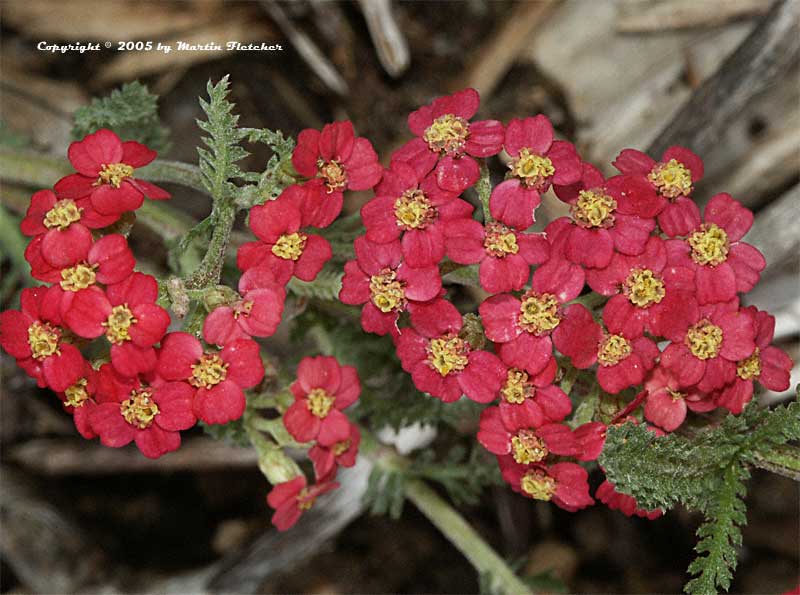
389	41
669	15
759	62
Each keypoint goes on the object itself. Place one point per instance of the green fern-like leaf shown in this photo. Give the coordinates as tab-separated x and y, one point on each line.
131	112
325	287
720	535
218	162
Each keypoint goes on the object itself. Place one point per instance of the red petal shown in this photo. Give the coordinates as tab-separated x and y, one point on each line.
95	150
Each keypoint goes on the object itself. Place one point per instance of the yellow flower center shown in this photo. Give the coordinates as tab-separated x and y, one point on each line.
704	340
79	277
534	170
644	288
140	409
43	340
672	179
333	173
448	354
413	210
290	246
242	308
319	402
500	240
76	395
516	389
749	368
594	208
304	499
676	395
341	447
528	448
63	214
537	484
388	293
613	350
209	371
114	173
448	134
538	314
118	324
709	245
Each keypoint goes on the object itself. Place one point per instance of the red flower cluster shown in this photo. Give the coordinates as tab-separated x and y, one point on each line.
155	385
322	390
637	238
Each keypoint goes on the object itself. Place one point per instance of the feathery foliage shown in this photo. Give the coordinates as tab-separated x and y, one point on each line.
131	111
704	472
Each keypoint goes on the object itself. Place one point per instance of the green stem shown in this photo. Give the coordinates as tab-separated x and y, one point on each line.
781	460
464	537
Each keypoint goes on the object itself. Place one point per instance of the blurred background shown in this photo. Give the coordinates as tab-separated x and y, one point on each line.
720	76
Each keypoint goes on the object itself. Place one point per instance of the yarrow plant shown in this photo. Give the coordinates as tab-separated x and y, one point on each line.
623	316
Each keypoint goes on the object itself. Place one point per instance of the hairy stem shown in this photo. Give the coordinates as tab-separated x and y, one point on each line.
781	460
484	189
464	537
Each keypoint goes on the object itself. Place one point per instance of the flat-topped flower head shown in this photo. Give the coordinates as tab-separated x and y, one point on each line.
673	179
335	160
523	437
126	313
128	409
282	246
385	285
448	141
607	216
722	263
505	254
218	377
706	353
292	498
769	366
441	361
322	390
412	208
37	342
106	174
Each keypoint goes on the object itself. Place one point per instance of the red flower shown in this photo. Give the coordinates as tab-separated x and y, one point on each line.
533	399
537	162
505	255
770	366
322	390
522	439
647	294
523	326
445	135
219	377
723	265
707	352
257	314
667	404
385	286
63	226
591	438
565	484
282	247
37	343
291	498
105	168
338	160
608	495
126	313
152	416
108	261
79	401
673	179
607	216
342	453
413	208
443	364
